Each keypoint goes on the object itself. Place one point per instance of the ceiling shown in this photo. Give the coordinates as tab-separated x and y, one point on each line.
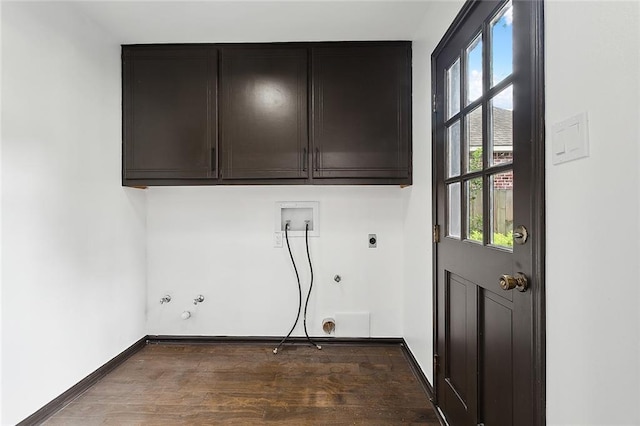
256	21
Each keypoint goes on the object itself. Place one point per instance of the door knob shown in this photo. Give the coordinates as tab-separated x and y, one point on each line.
519	282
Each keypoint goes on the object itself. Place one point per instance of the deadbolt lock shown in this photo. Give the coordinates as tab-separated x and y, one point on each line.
519	282
520	235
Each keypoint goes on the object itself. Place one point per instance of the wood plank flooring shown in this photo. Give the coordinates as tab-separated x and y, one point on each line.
245	384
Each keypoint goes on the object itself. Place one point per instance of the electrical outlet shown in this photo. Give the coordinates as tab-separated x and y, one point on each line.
277	239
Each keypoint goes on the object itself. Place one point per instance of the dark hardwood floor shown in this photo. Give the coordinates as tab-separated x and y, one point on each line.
247	384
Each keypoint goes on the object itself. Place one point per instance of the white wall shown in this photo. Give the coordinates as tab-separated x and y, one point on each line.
218	241
0	227
593	289
418	300
73	260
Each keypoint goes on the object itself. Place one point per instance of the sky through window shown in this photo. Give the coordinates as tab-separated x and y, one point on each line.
502	59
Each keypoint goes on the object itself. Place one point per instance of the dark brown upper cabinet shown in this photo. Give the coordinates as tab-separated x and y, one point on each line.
169	113
274	113
263	113
361	111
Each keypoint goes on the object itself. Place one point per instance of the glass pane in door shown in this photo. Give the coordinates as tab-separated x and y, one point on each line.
453	210
502	45
502	209
453	149
473	140
453	89
474	70
501	135
474	210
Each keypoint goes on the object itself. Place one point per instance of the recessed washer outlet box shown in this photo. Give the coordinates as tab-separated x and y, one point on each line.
297	214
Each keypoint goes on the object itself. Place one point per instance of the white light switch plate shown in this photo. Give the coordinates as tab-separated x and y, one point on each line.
570	139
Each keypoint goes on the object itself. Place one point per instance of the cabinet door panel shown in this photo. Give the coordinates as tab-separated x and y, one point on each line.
361	111
264	113
169	116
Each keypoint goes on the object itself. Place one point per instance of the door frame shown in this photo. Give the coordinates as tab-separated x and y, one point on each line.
537	234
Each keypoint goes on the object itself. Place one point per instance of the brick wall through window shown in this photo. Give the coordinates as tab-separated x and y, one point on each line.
503	180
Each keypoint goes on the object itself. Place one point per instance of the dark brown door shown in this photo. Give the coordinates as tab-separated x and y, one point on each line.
488	182
169	95
264	113
361	111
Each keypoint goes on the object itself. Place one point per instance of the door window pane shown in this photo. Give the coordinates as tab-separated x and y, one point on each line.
473	140
474	70
502	209
453	215
501	135
502	45
453	149
453	89
474	209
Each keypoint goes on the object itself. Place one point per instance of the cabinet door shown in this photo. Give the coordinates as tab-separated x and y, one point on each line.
263	113
362	111
170	122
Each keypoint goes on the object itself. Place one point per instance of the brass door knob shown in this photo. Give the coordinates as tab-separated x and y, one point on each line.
519	282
